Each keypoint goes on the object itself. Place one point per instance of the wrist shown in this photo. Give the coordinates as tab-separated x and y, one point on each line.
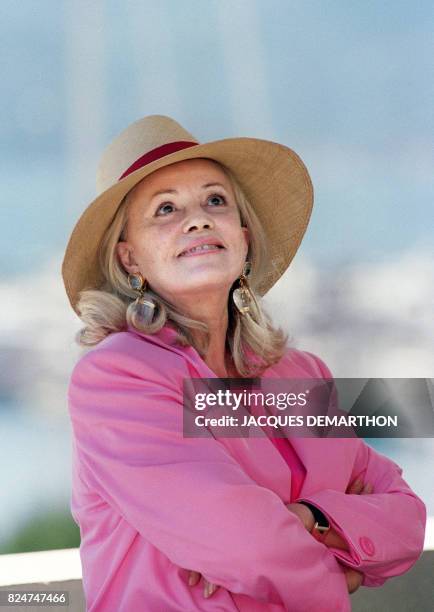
308	517
303	513
319	517
321	525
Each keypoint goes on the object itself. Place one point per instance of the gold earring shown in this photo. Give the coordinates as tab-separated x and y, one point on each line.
144	309
136	281
242	296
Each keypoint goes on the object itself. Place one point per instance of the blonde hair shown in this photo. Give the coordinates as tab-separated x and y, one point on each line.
111	307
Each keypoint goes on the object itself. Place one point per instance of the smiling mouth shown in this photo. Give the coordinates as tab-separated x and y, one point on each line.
202	249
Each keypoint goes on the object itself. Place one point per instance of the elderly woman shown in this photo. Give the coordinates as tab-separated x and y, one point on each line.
166	268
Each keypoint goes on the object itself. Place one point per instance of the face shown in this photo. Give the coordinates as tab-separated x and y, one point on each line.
185	205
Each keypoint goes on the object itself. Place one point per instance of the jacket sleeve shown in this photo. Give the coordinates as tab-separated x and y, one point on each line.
384	529
188	496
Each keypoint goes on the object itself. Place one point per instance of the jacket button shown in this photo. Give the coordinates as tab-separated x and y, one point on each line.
367	545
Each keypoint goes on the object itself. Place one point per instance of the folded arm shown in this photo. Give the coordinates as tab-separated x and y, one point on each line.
188	496
385	529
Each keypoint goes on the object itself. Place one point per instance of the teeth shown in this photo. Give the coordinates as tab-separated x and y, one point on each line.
203	247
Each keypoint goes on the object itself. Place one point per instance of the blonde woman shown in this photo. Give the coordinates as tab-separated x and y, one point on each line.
166	268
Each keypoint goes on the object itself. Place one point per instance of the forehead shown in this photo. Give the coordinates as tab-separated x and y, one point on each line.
181	174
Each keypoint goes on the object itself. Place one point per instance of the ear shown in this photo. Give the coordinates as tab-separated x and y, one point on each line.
246	235
125	253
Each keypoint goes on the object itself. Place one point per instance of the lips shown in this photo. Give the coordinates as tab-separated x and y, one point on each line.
202	246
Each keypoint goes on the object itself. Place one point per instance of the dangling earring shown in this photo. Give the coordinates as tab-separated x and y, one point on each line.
144	308
241	296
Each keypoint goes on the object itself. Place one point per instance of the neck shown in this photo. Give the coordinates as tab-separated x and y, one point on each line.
214	313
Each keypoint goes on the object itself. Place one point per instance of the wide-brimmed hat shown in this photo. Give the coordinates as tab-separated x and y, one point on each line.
272	176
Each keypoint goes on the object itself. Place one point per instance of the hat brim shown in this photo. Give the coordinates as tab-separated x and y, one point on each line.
273	177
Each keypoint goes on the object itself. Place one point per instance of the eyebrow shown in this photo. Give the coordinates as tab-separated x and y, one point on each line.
175	191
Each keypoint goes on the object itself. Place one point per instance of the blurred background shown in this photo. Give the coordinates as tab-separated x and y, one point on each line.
347	85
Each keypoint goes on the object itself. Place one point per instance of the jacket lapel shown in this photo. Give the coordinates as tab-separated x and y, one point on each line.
258	455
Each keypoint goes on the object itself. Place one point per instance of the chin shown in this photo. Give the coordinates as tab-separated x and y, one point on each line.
207	281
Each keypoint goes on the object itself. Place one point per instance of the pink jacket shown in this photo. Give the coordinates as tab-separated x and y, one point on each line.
152	505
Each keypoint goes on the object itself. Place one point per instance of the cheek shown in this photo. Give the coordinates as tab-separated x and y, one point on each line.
143	253
154	251
238	239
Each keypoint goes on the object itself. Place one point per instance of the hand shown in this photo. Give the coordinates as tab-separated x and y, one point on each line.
332	539
208	587
353	578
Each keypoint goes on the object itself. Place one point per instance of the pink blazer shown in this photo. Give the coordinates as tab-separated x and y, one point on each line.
152	505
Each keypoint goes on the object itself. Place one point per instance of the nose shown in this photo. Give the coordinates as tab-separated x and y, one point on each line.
198	220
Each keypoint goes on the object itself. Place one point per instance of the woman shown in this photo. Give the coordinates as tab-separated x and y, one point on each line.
166	269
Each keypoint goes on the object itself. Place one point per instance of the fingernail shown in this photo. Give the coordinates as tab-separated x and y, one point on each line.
206	592
191	580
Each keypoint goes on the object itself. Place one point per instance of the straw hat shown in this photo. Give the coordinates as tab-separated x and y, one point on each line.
272	176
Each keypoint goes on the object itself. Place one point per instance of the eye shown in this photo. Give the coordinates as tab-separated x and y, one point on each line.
216	199
163	207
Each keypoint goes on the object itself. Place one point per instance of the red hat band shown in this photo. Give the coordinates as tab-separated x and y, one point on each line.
157	153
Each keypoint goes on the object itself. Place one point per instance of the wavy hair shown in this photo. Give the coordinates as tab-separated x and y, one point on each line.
110	308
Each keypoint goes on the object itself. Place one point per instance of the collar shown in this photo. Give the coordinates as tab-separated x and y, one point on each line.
166	334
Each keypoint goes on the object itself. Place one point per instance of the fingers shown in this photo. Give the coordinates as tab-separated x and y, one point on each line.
208	587
194	578
368	488
353	578
358	487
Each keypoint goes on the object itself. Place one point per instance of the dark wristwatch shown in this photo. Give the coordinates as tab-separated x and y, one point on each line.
321	526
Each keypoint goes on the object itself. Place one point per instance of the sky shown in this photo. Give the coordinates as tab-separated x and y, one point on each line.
348	86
